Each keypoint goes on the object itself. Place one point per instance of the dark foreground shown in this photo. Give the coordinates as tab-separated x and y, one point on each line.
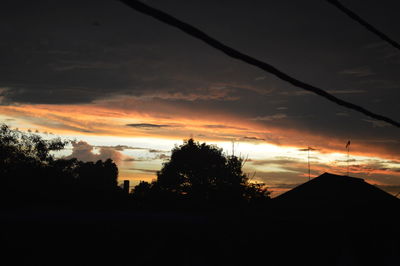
268	236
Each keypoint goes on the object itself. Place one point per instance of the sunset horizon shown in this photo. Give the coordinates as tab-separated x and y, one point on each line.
141	151
187	133
126	86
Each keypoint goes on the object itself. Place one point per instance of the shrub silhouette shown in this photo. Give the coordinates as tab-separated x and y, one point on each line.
202	173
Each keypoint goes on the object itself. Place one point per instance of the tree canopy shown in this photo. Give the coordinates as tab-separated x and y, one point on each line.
29	171
203	173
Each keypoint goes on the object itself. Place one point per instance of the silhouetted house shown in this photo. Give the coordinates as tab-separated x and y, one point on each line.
336	195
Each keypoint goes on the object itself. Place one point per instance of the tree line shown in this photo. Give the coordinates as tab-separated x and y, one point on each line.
197	174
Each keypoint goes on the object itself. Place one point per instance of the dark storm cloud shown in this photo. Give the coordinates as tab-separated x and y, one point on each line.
252	139
358	72
223	127
69	52
270	117
146	125
376	123
57	56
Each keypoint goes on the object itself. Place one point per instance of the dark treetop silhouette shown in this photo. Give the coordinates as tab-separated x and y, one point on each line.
31	174
201	173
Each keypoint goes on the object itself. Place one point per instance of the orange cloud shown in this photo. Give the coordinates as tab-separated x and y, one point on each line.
132	117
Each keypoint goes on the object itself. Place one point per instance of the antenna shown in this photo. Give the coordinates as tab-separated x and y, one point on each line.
233	147
348	159
348	156
308	149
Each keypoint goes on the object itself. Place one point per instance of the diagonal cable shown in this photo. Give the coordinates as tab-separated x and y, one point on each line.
364	23
196	33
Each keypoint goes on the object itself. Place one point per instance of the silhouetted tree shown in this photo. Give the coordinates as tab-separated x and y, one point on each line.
16	146
202	173
25	159
143	189
29	171
100	175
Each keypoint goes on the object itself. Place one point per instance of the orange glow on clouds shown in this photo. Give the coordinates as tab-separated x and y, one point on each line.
107	123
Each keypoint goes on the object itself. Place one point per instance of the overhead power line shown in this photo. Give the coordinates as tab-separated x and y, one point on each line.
196	33
364	23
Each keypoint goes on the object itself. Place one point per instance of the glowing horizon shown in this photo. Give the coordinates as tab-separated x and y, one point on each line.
141	142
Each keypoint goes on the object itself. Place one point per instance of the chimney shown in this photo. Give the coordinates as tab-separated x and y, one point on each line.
126	186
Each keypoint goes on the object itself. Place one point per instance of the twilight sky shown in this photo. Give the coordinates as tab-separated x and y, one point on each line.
126	86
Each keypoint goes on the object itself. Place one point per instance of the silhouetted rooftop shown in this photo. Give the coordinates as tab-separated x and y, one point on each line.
336	190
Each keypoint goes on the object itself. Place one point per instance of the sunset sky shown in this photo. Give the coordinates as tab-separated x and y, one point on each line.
123	85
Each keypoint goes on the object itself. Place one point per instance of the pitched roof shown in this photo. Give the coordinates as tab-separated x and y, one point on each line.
337	190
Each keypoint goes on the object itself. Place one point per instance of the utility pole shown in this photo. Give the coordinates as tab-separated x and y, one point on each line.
309	169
